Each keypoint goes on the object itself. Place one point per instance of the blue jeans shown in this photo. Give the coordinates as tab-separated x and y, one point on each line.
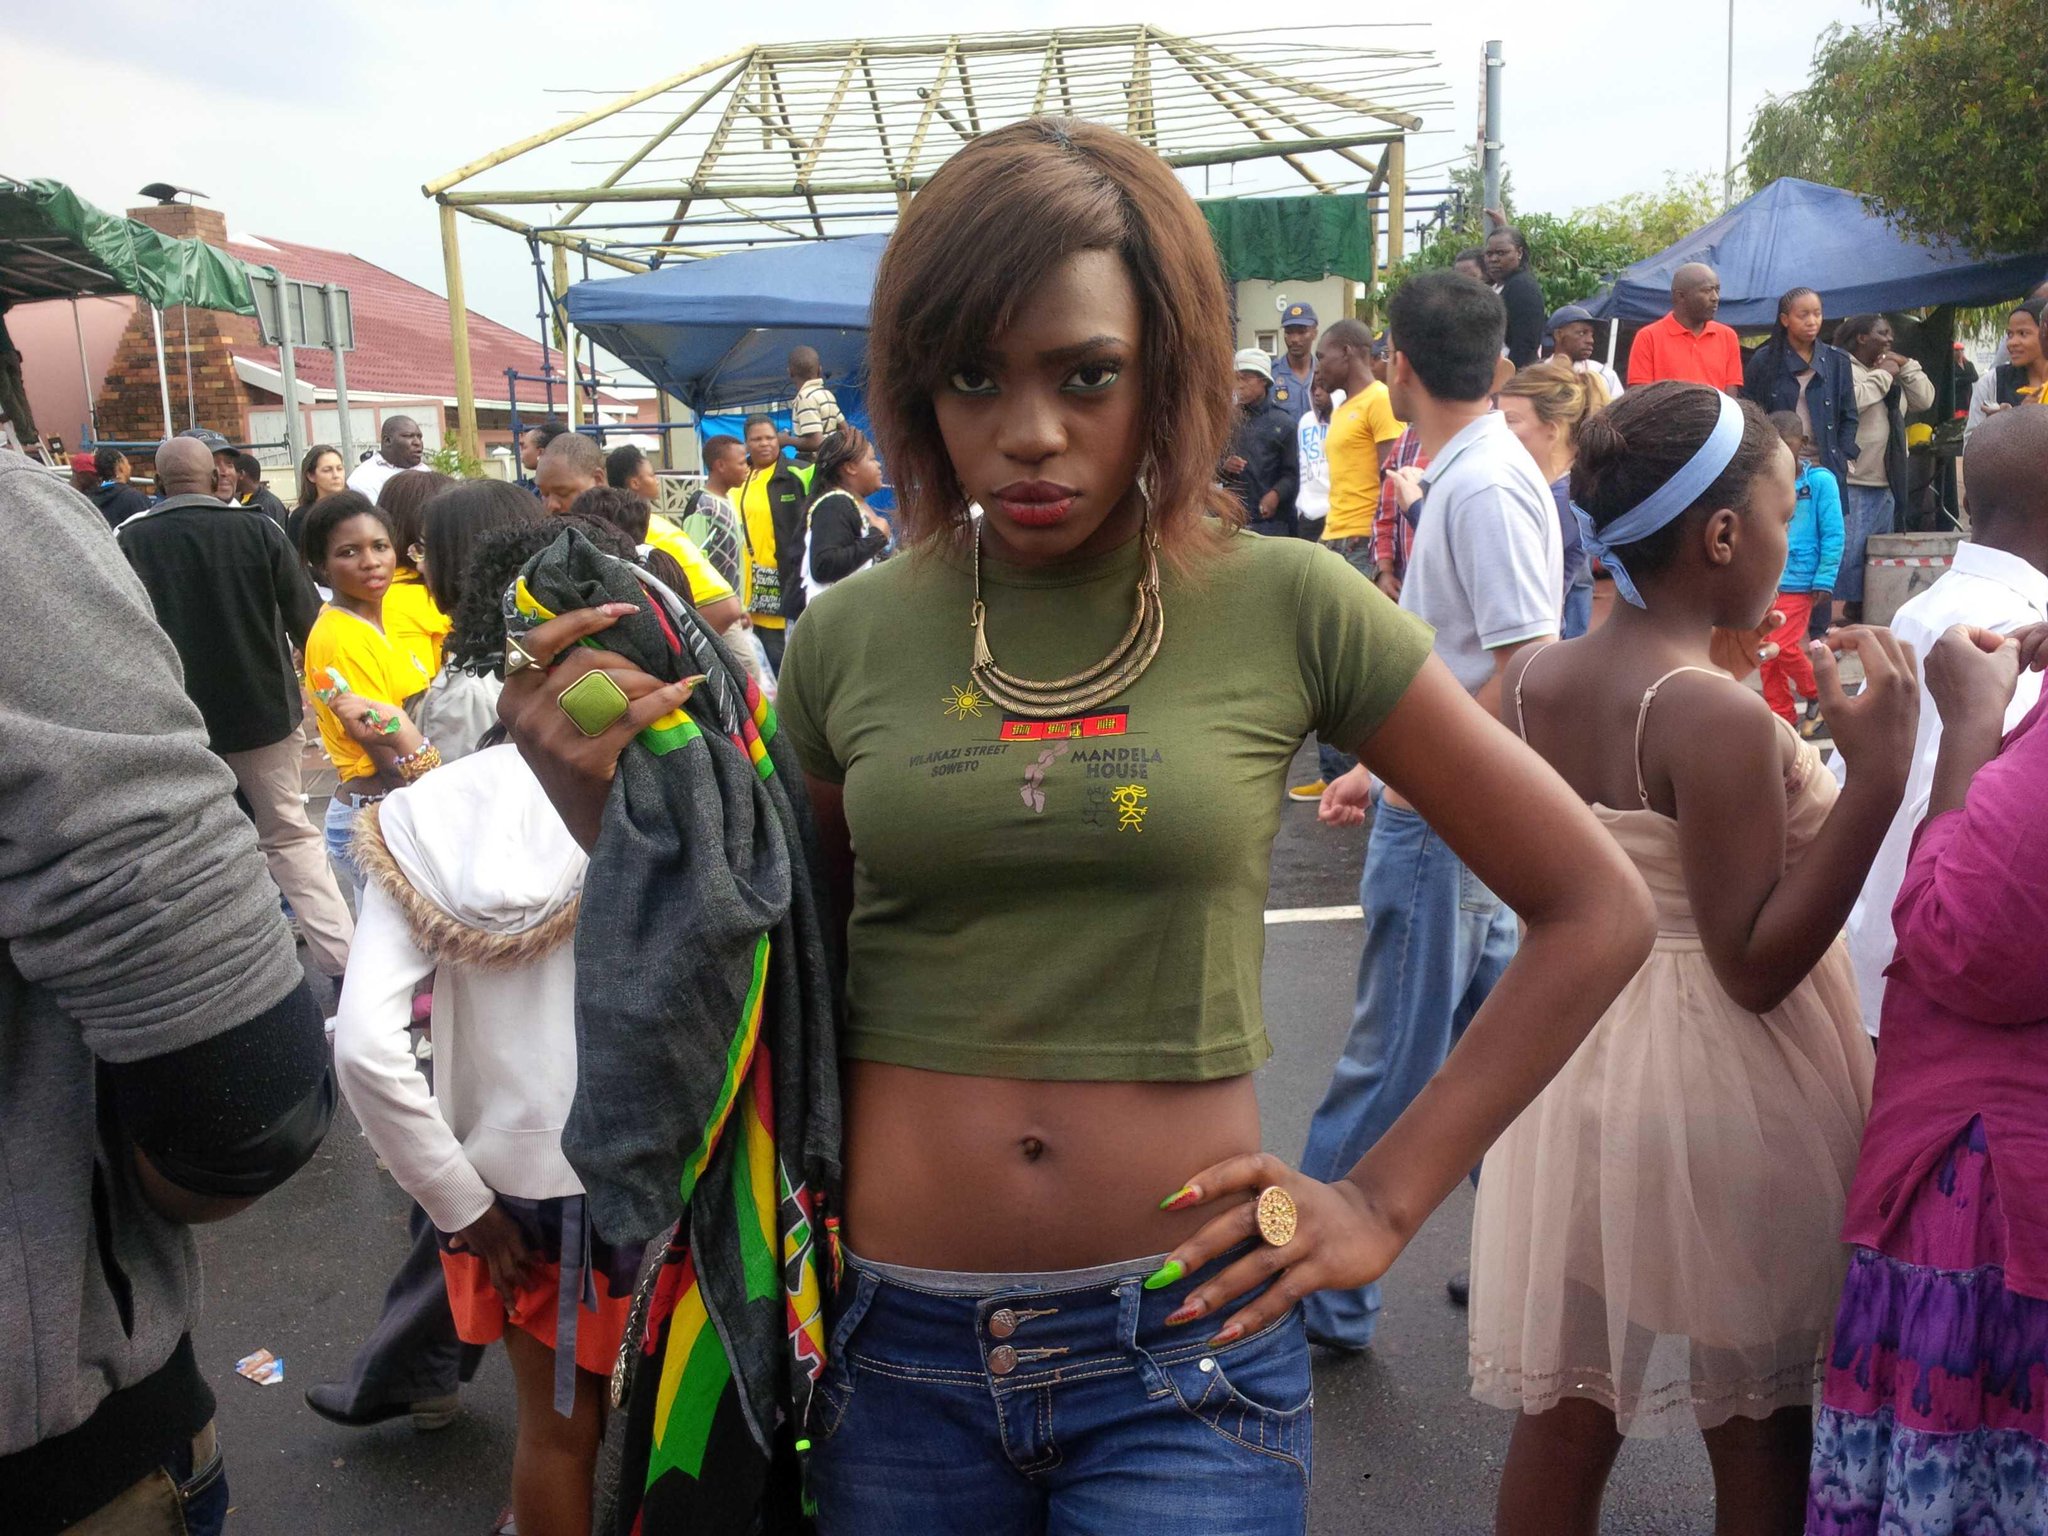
340	827
1358	553
1578	609
1053	1405
203	1489
185	1495
1866	509
1436	941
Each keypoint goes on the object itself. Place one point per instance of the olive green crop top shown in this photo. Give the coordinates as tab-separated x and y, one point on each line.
1081	899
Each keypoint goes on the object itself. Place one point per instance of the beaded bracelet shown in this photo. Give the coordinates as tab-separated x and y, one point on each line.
415	766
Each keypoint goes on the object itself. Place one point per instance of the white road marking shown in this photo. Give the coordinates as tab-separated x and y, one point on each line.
1314	915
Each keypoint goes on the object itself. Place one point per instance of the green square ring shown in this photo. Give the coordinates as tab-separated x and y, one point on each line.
594	703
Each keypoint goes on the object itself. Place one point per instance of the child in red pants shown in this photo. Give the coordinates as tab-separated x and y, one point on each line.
1813	556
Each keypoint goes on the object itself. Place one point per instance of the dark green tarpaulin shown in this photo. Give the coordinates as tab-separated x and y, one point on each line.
55	245
1284	238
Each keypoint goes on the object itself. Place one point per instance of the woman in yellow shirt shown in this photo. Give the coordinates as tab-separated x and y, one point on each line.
351	662
411	619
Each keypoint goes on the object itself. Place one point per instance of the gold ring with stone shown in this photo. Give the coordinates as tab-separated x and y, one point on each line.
518	658
1277	1216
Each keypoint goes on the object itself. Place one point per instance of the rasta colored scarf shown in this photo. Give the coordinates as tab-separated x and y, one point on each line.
707	1090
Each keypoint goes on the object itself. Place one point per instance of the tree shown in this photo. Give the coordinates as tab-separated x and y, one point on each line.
449	459
1573	254
1802	134
1935	113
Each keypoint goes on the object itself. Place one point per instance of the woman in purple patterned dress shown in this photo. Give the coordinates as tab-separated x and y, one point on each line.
1934	1415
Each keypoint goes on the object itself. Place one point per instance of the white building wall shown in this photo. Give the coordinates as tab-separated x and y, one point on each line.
1259	304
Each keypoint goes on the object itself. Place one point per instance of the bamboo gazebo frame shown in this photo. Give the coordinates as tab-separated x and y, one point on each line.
790	141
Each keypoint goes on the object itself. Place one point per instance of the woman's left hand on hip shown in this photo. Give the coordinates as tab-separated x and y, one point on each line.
1339	1240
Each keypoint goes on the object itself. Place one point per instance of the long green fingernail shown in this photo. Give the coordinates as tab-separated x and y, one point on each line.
1169	1273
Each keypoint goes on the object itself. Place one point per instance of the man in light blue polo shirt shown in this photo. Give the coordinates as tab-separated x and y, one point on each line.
1487	571
1294	370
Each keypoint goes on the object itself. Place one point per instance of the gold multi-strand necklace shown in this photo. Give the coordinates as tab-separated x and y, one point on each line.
1087	690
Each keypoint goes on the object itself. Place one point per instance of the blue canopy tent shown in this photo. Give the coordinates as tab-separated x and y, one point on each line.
1801	234
716	333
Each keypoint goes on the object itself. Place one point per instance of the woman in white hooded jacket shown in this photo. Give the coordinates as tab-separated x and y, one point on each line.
472	877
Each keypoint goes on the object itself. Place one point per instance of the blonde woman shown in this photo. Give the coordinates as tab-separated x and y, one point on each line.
1544	405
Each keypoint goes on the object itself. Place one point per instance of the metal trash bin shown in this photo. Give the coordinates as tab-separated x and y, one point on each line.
1897	565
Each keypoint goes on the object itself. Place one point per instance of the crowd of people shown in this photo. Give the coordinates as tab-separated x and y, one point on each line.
803	964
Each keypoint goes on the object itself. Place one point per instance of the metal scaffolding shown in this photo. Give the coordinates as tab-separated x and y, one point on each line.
783	141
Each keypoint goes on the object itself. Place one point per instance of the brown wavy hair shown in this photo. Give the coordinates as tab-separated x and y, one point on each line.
990	226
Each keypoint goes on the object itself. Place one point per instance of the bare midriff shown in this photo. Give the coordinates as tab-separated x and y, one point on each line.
999	1175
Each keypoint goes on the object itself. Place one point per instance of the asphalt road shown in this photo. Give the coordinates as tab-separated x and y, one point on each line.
1400	1447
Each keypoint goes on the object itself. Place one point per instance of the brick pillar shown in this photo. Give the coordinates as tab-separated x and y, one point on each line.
130	406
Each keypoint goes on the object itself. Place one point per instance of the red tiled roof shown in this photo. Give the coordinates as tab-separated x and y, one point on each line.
402	345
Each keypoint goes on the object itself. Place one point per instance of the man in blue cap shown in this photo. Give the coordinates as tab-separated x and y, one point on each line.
1572	331
224	455
1295	368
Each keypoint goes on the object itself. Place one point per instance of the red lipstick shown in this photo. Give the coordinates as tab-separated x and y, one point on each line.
1036	503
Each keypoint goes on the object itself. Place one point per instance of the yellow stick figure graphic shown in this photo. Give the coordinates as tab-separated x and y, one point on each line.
1129	800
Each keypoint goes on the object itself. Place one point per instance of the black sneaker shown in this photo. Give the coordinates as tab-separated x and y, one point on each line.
329	1399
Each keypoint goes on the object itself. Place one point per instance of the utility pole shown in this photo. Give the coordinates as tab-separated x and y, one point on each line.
1490	143
1728	141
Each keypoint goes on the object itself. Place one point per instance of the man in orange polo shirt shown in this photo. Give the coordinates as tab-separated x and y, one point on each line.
1688	343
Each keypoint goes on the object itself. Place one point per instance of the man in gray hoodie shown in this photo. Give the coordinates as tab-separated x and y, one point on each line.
161	1059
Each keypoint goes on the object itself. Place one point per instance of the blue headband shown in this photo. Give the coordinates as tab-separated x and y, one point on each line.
1665	504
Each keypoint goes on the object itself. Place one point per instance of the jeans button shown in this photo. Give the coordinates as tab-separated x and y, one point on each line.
1002	1323
1002	1360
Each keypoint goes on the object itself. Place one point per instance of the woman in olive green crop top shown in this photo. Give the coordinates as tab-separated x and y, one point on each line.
1046	774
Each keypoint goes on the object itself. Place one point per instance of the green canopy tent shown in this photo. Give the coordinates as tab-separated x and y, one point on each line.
55	245
1282	238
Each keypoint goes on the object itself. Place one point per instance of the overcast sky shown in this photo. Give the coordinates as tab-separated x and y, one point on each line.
317	122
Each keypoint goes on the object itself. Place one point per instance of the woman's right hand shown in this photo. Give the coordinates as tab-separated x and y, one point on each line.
374	725
577	770
494	1238
2033	644
1873	730
1346	798
1971	675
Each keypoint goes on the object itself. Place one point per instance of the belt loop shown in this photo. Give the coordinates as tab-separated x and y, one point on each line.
1130	1294
865	1285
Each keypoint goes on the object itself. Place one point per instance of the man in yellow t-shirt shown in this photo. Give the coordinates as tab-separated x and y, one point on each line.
627	469
1362	434
573	464
1363	431
710	593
